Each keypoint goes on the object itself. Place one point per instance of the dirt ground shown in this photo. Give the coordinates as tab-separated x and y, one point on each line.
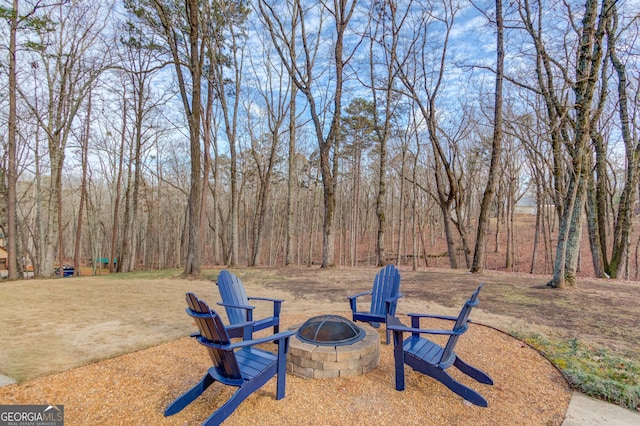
112	350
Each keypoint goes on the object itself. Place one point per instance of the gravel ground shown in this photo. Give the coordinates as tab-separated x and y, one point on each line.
134	389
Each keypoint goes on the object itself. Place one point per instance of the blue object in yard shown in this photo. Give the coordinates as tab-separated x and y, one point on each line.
67	271
104	261
236	303
429	358
384	298
237	364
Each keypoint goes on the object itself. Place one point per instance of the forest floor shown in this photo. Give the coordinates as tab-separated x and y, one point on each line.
50	327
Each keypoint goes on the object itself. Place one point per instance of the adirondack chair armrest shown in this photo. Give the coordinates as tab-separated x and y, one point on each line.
355	296
276	304
389	301
246	307
267	299
194	314
424	330
245	343
267	339
246	327
394	324
353	299
435	316
393	321
394	298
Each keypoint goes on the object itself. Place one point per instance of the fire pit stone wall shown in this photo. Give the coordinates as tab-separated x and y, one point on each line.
320	361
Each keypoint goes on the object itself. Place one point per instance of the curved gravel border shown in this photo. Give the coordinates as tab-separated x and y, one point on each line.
135	389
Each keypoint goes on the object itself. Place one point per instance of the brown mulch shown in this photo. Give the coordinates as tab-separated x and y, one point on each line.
134	389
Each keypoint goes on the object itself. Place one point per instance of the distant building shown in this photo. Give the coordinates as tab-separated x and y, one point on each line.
526	205
3	259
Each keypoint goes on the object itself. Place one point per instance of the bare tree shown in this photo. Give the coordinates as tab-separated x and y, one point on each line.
84	160
70	73
423	77
496	147
27	20
11	176
187	35
140	61
305	79
274	95
233	15
571	126
596	202
358	129
291	169
384	33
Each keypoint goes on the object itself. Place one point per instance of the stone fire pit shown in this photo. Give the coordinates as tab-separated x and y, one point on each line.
343	356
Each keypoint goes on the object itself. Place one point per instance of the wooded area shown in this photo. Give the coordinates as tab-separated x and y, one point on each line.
146	134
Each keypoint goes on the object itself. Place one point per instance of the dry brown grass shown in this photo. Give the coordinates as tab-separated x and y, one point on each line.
53	325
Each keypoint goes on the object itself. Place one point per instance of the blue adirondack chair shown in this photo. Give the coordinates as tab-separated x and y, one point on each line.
234	364
431	359
239	311
384	298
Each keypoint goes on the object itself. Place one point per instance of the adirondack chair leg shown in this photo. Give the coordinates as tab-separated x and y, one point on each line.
229	407
398	355
283	346
240	395
456	387
188	397
472	372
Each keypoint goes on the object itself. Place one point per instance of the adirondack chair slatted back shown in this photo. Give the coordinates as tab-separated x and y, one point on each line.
212	329
233	293
461	325
385	285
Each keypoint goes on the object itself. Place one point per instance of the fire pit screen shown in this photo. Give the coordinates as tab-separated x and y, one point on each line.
330	330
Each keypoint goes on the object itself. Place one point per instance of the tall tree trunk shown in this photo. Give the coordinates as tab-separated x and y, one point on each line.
574	237
496	149
355	211
623	223
448	232
38	241
537	229
193	258
401	212
292	177
207	131
263	194
124	254
12	178
194	45
292	182
508	262
230	116
84	146
116	201
380	205
595	219
587	69
390	27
